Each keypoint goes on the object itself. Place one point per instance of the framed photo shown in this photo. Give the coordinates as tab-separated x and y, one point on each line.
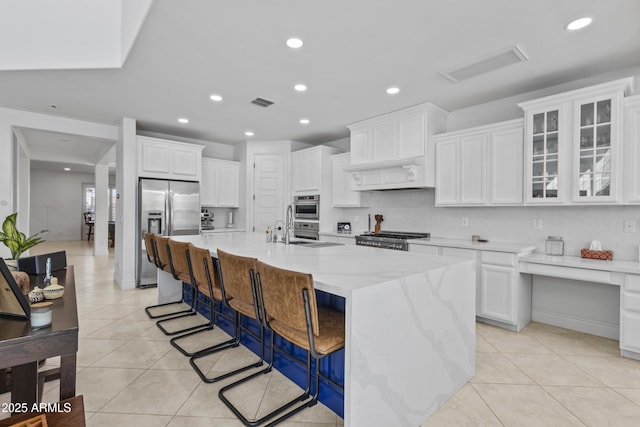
12	302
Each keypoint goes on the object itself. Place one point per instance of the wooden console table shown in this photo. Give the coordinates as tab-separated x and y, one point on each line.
21	348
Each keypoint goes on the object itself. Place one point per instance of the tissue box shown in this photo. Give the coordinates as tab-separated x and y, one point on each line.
588	253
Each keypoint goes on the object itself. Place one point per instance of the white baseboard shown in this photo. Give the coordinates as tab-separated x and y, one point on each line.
577	324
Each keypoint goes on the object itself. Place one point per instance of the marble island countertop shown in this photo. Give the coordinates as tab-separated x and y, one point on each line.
410	321
339	269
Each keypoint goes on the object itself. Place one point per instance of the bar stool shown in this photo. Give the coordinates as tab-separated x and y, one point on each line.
289	308
152	255
237	280
206	275
180	264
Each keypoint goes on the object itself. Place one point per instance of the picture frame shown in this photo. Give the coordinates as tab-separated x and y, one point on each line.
12	302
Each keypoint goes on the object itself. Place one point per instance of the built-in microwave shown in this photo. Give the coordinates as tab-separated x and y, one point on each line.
306	207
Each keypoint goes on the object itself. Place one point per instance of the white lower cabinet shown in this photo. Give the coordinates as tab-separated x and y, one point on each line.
497	293
630	314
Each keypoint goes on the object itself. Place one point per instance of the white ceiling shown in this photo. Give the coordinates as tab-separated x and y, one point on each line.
353	51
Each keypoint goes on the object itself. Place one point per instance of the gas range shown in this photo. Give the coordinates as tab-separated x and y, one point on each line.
390	239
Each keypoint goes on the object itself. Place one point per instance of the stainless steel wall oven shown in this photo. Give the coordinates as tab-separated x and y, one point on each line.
306	207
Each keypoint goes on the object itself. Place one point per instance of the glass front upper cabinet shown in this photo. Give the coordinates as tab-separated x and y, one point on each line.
595	168
544	156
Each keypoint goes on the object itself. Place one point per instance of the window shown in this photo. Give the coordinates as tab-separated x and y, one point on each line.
90	201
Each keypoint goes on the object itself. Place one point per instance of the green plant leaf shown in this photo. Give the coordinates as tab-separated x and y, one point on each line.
16	241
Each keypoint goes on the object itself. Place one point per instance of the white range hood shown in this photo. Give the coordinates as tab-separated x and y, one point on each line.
396	150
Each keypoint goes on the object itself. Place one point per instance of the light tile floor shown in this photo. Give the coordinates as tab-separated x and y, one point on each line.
129	374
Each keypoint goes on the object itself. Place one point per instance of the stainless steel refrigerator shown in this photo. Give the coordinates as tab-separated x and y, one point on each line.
170	208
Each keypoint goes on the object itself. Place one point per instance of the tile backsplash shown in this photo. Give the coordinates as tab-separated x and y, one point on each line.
414	210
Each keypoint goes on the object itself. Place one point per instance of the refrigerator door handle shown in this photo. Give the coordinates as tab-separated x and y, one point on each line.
169	211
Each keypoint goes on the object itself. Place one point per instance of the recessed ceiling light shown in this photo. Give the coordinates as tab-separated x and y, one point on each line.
248	133
579	23
216	98
67	169
300	87
304	121
294	43
393	90
183	120
53	107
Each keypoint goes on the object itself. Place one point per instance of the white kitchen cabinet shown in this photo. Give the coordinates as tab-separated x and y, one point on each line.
497	293
312	169
220	183
631	174
307	171
159	158
480	166
572	145
312	174
630	314
505	164
396	150
343	195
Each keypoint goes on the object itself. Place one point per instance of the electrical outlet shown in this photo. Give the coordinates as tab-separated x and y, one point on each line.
629	226
465	222
537	223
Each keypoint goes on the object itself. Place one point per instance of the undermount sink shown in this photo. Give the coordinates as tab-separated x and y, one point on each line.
314	244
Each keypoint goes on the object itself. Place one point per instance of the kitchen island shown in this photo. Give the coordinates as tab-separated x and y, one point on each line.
410	321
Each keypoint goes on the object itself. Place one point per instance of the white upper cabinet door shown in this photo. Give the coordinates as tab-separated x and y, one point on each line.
160	158
227	184
154	158
343	195
472	170
447	171
220	183
596	153
360	147
384	141
208	183
506	150
186	163
632	150
306	171
411	136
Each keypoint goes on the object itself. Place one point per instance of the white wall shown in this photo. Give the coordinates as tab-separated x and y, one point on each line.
56	203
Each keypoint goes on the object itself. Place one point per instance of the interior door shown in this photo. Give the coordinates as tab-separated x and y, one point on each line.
269	190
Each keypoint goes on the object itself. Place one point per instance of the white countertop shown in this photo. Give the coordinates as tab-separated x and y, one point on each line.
585	263
468	244
339	270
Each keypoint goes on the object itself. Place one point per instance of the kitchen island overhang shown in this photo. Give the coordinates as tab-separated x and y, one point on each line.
410	322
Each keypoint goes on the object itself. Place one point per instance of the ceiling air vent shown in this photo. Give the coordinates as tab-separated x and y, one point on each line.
484	64
262	102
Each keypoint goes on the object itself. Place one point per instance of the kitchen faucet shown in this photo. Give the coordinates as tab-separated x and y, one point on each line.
288	225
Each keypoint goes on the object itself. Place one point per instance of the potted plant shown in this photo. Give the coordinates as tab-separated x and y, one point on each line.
16	241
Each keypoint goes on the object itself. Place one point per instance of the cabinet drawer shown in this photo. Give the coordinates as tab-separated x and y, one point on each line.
631	302
498	258
632	282
460	253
